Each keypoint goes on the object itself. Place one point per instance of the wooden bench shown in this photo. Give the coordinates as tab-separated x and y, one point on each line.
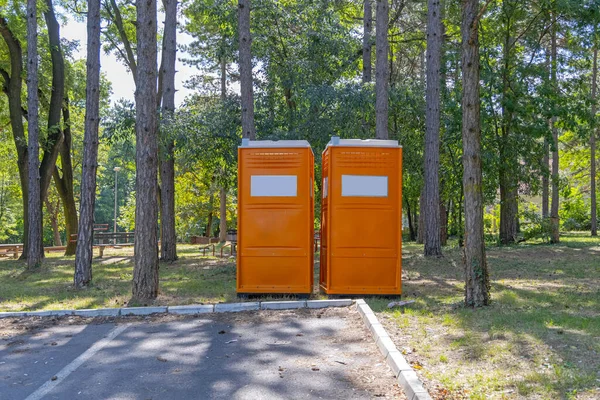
103	240
7	250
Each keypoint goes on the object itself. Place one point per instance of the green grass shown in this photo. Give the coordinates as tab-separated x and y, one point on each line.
192	279
540	338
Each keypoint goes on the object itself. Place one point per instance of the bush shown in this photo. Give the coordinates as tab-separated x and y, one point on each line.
533	225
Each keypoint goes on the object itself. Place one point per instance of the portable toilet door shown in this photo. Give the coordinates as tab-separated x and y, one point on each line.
361	217
275	217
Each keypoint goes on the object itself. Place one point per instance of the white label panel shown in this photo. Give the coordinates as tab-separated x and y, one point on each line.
325	187
364	186
273	186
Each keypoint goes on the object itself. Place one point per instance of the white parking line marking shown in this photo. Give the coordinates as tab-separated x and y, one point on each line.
76	363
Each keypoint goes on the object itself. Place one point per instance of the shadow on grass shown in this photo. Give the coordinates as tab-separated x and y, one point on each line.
540	336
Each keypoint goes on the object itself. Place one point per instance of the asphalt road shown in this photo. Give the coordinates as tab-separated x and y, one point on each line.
258	355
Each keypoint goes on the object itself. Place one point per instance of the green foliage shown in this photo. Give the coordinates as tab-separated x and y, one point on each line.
574	210
533	225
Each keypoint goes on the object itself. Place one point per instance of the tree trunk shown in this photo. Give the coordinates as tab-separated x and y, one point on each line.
53	211
546	159
118	21
223	215
443	224
411	228
381	70
223	189
245	61
145	272
366	52
594	217
35	255
167	163
554	222
431	234
55	136
209	221
508	209
477	287
64	184
421	219
507	176
545	181
13	90
84	251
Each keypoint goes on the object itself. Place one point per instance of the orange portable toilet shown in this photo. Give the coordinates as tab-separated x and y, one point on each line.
275	217
361	217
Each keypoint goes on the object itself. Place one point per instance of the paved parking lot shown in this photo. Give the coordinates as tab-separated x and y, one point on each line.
300	354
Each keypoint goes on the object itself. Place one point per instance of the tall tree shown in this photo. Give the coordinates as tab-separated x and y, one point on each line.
13	85
54	139
245	60
58	139
432	232
223	214
594	218
223	188
168	250
554	221
145	272
35	254
64	180
507	154
477	285
382	70
83	256
546	158
367	45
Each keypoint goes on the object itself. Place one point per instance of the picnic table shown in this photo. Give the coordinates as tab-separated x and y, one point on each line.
101	240
11	249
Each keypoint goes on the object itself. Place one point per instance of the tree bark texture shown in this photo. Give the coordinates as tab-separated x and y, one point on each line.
421	218
411	228
367	45
545	181
443	224
53	212
85	244
145	272
13	88
381	70
64	181
507	159
223	215
546	159
431	236
35	250
477	281
554	222
55	136
223	189
245	61
594	217
168	250
209	219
